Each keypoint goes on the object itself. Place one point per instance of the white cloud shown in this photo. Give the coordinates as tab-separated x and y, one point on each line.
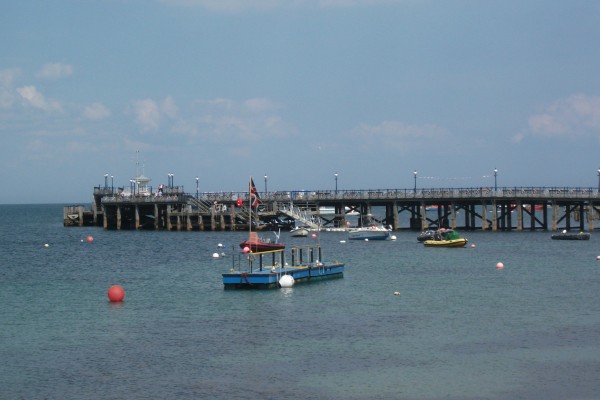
398	135
34	98
575	115
96	111
259	105
55	71
147	114
169	108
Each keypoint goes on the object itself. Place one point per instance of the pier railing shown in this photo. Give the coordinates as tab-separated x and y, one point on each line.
411	194
177	195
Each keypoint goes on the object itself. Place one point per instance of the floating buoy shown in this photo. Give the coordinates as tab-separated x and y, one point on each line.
473	246
366	239
46	245
396	293
598	258
220	245
499	265
116	293
90	239
342	241
314	235
393	237
286	281
215	255
246	249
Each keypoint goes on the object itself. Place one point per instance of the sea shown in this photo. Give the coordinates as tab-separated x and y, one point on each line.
405	321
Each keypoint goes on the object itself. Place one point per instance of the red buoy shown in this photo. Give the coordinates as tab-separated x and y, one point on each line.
90	239
116	293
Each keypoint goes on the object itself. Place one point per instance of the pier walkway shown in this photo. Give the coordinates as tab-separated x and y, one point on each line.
506	208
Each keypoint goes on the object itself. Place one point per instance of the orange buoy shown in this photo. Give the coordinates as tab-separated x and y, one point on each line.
90	239
246	249
314	235
116	293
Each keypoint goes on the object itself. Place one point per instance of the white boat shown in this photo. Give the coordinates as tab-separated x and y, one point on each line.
372	232
299	231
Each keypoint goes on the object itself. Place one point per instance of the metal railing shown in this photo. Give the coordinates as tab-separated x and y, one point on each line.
424	194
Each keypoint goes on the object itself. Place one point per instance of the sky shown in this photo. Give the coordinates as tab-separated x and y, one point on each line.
297	90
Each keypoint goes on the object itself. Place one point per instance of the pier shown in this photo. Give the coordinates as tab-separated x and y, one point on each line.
484	208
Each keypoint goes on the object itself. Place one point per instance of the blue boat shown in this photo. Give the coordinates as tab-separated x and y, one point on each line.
269	269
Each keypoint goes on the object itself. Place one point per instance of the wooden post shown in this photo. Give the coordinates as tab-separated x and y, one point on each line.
554	216
484	220
423	208
452	214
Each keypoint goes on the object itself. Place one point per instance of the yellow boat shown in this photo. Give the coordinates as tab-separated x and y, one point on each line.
446	238
460	242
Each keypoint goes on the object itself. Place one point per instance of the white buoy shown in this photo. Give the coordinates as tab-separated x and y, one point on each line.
366	239
286	281
220	245
598	258
46	245
396	293
472	246
393	237
343	241
215	255
499	265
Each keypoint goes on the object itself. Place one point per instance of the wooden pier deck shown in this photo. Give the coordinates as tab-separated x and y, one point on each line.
507	208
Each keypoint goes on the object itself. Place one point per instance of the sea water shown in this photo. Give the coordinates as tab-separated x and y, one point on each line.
405	322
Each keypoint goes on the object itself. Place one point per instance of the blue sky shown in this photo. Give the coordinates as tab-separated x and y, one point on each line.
298	90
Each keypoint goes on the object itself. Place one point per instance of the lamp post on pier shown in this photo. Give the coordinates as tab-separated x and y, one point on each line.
265	185
336	178
105	181
197	192
496	179
598	180
415	188
112	184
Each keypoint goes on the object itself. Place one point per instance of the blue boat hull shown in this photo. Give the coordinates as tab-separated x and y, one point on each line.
269	278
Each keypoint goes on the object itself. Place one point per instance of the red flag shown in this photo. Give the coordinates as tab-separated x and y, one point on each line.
254	198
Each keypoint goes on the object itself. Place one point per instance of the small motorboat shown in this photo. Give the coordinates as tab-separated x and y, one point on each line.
446	238
299	231
370	229
373	232
565	235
